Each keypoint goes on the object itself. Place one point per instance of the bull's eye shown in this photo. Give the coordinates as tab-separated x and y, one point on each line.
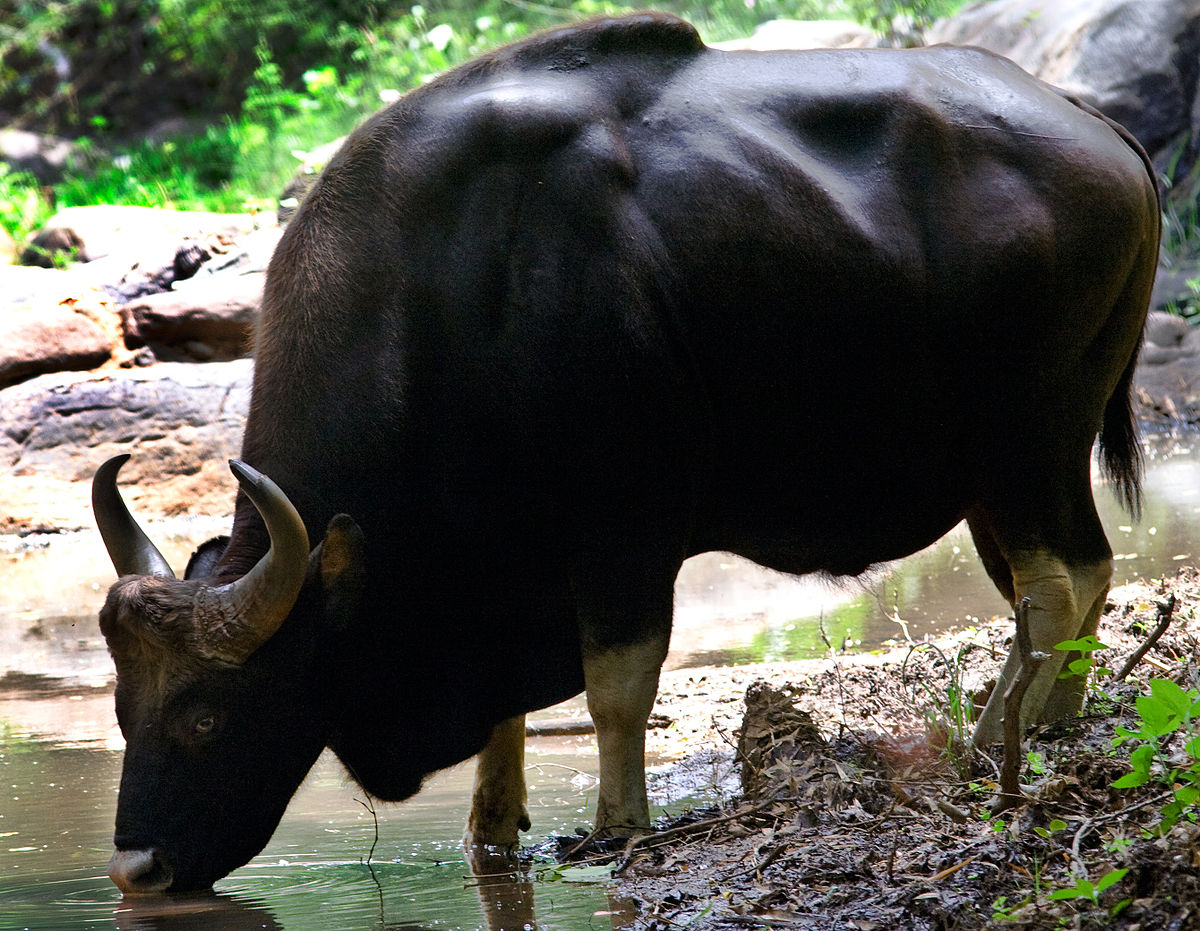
204	725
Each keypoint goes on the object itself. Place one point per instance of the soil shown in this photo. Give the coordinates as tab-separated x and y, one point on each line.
859	807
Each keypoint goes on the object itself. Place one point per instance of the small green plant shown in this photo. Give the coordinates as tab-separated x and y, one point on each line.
23	205
1055	825
1166	710
1085	663
1002	911
1085	889
950	711
1085	666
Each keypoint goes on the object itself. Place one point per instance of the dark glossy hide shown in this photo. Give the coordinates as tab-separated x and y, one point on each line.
607	298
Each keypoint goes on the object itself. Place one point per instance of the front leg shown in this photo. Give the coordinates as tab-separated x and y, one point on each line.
625	599
622	682
498	804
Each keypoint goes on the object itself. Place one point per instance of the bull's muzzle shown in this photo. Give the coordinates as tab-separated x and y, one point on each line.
140	872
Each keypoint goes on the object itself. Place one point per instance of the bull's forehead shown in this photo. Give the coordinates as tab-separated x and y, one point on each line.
150	626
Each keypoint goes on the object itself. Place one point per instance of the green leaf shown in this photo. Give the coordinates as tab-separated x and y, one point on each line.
1088	644
1083	889
1131	781
1109	878
583	874
1141	760
1158	720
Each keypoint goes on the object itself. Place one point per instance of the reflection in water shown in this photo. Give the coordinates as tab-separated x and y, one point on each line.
505	890
194	913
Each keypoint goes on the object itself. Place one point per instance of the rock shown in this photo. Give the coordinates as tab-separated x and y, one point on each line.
45	157
217	313
1174	285
174	416
1167	380
137	234
52	339
182	422
1138	61
802	34
1166	331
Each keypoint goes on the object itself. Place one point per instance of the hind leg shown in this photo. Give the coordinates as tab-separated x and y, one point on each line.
1066	580
1066	697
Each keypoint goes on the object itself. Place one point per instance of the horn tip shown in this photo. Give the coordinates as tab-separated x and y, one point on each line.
243	472
114	463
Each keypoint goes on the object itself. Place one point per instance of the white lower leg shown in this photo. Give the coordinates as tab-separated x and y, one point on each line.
621	687
498	804
1056	594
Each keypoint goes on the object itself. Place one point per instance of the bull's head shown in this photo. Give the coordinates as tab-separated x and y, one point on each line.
221	703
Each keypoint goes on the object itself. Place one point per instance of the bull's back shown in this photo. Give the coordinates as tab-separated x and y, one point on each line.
830	275
893	259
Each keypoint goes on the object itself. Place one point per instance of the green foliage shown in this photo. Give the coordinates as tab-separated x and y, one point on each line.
899	20
949	707
1167	710
1085	889
23	207
1181	229
1085	663
270	80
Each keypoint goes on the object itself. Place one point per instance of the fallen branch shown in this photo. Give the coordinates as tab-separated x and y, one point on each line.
659	837
771	856
1166	613
1031	661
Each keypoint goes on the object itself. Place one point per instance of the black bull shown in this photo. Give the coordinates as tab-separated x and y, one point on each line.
583	308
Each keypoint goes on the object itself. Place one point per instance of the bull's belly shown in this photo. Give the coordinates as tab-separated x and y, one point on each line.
846	540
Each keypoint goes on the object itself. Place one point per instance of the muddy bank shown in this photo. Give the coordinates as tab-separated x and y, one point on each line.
855	817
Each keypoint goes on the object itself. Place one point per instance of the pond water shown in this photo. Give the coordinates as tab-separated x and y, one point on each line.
328	864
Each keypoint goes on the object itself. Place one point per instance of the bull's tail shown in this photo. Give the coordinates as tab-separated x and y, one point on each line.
1120	446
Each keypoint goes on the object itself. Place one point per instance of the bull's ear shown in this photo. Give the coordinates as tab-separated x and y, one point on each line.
342	569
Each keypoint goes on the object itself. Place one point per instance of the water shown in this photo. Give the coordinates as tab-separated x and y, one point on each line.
60	748
56	814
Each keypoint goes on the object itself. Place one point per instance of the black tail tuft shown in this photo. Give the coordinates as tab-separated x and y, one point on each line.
1120	448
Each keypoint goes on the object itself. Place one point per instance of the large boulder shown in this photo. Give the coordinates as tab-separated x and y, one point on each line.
1167	380
1137	61
139	234
211	319
45	157
176	414
181	421
54	339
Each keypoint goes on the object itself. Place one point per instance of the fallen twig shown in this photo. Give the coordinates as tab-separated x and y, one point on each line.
761	864
1166	613
1031	660
652	840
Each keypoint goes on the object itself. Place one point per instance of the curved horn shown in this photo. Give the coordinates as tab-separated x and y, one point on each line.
128	547
250	610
